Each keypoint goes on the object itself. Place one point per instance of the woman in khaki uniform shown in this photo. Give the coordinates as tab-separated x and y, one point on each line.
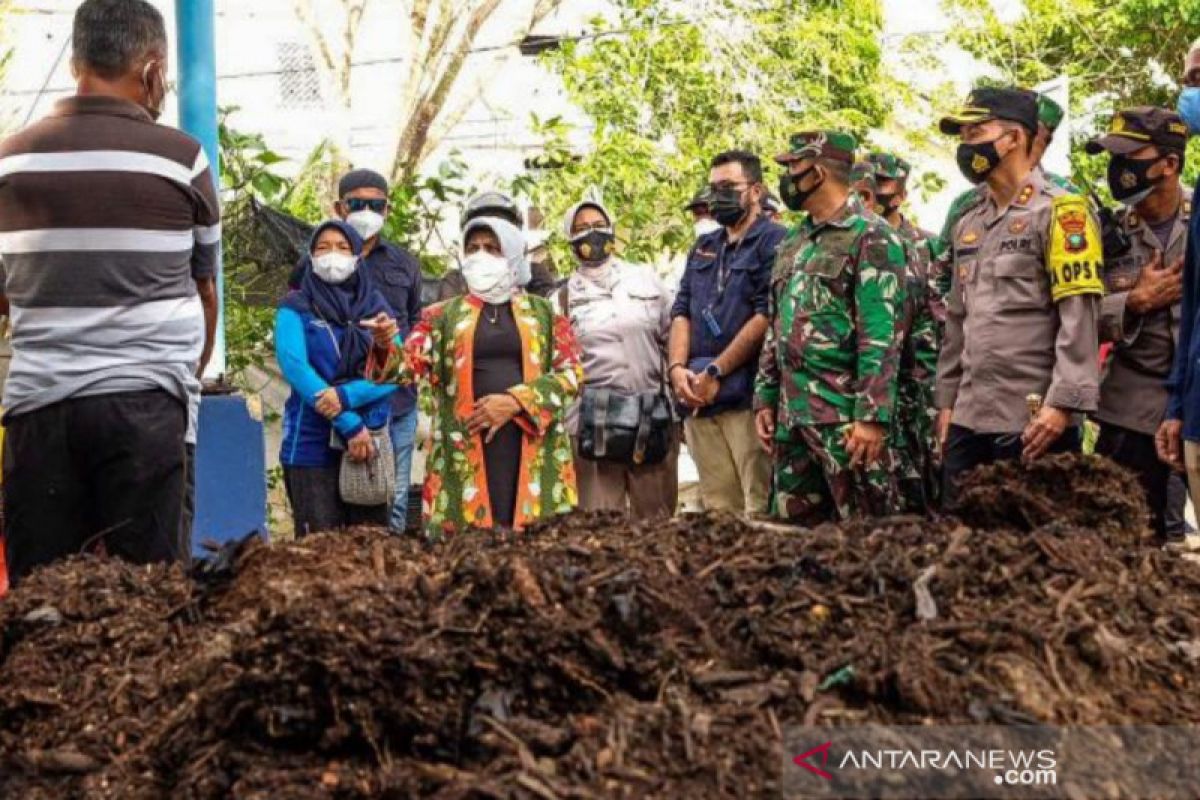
620	313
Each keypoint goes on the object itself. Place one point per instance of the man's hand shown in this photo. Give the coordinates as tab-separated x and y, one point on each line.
1169	443
864	443
764	426
383	329
361	447
328	404
705	388
491	414
1043	431
682	380
943	428
1157	286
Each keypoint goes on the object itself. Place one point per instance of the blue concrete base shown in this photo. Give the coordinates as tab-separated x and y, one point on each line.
231	477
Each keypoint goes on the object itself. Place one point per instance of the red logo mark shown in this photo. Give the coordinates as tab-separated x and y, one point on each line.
802	760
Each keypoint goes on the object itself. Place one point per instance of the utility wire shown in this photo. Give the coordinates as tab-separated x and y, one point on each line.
58	60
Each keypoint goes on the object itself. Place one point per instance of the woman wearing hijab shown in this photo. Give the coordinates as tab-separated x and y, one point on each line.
621	315
322	351
503	369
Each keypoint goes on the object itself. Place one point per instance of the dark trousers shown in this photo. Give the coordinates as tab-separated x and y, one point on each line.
189	504
317	502
966	450
95	471
1135	452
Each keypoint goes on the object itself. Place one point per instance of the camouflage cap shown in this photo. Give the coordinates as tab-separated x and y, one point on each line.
836	145
863	174
1049	112
886	165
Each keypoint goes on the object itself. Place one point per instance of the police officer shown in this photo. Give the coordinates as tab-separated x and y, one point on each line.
912	436
1050	116
1023	305
827	375
1140	313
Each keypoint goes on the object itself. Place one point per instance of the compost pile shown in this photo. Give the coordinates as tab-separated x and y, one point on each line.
589	657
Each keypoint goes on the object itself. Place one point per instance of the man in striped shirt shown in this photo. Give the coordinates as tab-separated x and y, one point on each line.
109	239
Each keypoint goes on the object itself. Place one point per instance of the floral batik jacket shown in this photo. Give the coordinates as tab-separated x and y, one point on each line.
440	353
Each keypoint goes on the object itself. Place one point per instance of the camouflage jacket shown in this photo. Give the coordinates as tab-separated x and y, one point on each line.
837	295
924	312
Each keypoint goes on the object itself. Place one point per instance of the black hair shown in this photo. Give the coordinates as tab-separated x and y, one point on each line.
751	164
109	37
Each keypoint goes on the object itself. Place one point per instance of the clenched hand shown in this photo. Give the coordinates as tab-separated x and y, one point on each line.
864	443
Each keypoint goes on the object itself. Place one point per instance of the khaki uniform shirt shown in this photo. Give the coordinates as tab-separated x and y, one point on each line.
1023	309
1134	393
621	325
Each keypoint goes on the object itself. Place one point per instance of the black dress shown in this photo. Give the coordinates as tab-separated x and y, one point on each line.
498	369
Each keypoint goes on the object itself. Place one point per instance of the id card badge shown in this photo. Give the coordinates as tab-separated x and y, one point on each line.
714	327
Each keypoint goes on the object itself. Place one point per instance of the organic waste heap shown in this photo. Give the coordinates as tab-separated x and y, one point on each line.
590	657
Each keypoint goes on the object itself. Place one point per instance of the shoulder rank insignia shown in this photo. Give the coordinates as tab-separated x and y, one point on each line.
1026	194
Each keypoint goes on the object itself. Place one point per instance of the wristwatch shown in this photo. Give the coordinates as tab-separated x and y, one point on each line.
713	371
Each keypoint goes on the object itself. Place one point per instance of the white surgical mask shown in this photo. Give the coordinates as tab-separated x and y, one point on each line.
335	267
488	277
706	226
366	222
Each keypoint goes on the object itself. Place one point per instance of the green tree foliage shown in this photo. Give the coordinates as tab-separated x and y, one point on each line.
1117	53
682	82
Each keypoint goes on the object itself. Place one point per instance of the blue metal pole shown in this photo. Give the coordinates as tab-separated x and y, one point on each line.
194	25
231	486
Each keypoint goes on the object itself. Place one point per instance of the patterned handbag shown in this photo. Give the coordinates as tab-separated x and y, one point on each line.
372	482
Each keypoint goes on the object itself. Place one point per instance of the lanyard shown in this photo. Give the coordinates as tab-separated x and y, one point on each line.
724	272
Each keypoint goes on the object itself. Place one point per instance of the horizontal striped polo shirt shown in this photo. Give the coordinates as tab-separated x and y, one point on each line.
107	220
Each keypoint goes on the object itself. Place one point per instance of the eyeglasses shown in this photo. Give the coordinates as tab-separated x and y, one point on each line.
355	204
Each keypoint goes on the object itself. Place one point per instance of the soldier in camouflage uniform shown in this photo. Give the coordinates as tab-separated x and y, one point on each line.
826	385
913	439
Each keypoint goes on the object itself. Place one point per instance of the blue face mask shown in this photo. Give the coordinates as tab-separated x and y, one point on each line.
1189	107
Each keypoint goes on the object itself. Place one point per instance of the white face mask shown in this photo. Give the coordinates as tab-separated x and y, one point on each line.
335	267
706	226
366	222
488	277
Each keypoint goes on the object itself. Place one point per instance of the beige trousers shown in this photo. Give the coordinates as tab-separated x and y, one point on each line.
642	492
1191	460
735	472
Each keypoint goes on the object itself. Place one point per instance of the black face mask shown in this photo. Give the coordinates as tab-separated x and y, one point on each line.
790	192
1129	180
726	207
594	246
886	203
977	161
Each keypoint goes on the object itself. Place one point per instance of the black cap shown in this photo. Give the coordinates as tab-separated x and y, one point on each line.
1142	126
361	179
1013	105
700	199
492	204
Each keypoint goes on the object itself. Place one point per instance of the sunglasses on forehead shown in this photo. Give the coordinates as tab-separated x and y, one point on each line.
365	204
